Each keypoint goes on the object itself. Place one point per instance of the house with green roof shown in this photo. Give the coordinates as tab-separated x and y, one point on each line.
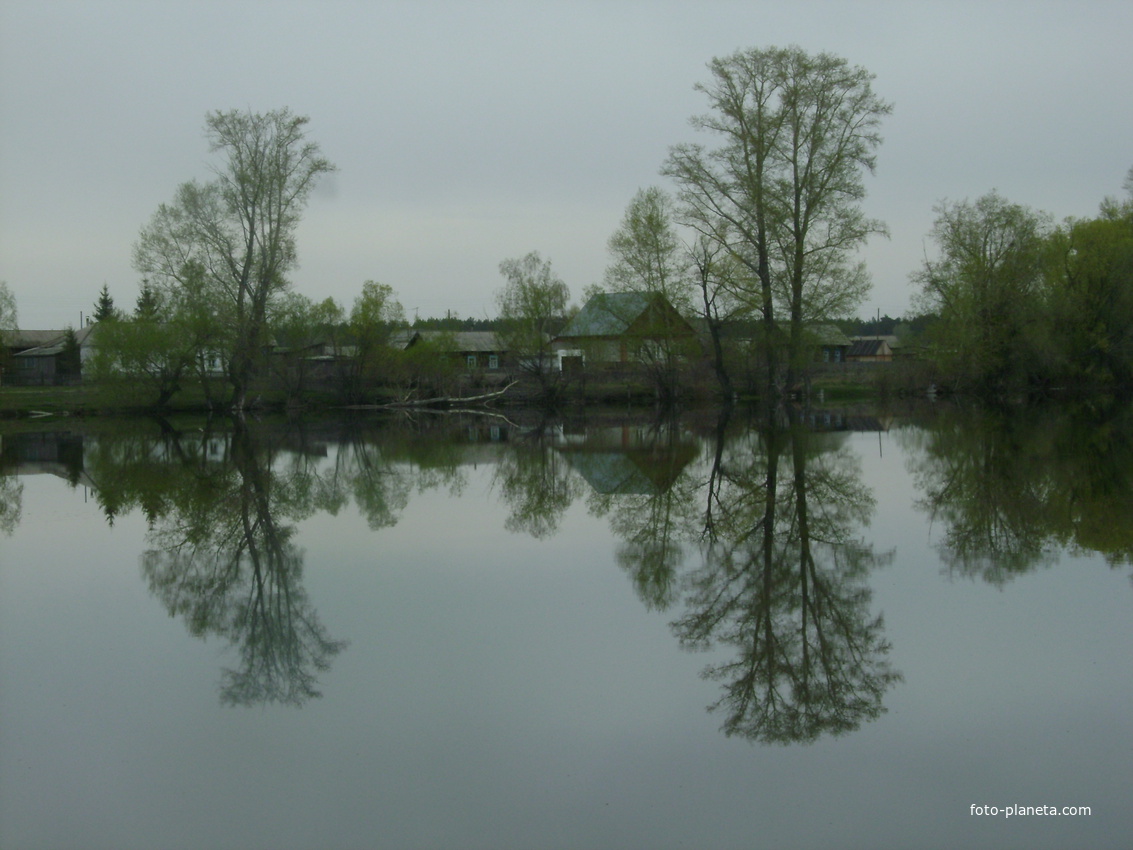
621	328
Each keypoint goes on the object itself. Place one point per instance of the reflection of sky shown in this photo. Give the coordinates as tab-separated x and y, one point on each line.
504	692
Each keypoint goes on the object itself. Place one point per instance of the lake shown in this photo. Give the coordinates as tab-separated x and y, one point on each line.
834	628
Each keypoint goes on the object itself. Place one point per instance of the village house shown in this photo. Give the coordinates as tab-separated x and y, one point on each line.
872	349
42	358
473	351
620	328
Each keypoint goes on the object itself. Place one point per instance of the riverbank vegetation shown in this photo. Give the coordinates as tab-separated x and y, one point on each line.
737	282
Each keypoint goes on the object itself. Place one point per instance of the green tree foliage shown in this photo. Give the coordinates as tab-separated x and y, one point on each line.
305	329
376	314
647	253
987	285
1092	275
104	307
649	257
231	241
781	192
8	323
148	305
145	361
9	316
69	364
532	304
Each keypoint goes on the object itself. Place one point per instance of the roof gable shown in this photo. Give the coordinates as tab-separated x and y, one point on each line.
463	341
609	314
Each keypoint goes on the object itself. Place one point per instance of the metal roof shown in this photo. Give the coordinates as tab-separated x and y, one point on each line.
607	314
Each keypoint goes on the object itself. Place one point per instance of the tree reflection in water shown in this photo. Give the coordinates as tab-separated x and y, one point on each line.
11	503
639	480
232	570
1012	489
221	551
784	582
751	530
781	578
535	484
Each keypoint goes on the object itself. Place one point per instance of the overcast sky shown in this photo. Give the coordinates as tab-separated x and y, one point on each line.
467	133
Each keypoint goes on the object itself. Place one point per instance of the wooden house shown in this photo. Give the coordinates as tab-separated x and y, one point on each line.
623	327
42	358
872	349
473	351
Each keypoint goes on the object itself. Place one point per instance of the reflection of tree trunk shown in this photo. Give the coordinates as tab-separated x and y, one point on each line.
806	559
715	475
767	589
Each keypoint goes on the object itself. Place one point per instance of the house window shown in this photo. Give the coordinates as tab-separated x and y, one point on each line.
493	361
471	361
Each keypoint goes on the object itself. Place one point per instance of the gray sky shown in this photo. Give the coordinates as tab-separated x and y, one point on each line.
467	133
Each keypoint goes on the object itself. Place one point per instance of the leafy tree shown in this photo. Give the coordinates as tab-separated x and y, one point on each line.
1094	300
376	314
238	230
782	191
720	281
8	322
144	362
8	312
986	283
649	257
104	307
531	304
301	325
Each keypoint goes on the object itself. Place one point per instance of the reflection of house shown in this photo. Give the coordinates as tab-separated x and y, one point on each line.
623	327
473	350
872	349
627	460
57	453
39	358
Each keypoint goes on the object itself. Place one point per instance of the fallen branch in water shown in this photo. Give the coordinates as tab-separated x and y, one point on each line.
436	401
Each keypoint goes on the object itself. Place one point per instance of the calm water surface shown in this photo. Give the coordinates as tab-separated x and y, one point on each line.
832	630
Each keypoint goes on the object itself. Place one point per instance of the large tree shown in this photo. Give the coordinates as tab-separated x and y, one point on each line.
782	189
237	230
986	282
531	303
375	316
